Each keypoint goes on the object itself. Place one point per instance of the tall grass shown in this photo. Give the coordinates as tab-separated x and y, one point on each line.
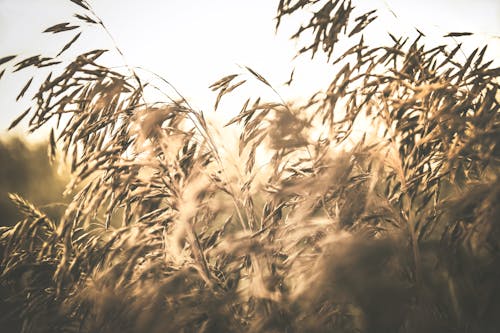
391	231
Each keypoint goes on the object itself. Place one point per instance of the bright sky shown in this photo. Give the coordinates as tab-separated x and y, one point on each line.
193	43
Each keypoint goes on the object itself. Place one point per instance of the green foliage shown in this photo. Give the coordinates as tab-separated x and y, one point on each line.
390	232
26	170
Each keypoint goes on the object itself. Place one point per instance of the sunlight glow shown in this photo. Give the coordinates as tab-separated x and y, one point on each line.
194	43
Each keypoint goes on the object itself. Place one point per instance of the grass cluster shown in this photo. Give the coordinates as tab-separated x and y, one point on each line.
390	231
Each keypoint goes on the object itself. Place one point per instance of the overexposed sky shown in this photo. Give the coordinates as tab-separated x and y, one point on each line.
193	43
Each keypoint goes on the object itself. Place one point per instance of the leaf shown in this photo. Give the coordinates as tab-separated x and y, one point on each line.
234	86
27	62
68	45
219	96
80	3
94	54
467	64
18	119
458	34
480	57
47	64
244	107
23	91
450	56
289	82
222	82
420	32
2	73
251	161
258	76
85	18
52	146
61	27
364	21
226	90
6	59
352	50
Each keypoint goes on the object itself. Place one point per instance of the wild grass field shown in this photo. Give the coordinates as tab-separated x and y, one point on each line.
369	208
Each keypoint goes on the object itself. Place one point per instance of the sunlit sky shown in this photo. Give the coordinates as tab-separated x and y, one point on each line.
193	43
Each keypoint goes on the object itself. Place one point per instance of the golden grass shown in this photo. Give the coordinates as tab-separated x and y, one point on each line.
166	234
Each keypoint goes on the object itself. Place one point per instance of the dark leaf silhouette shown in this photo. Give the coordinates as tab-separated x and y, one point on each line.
68	45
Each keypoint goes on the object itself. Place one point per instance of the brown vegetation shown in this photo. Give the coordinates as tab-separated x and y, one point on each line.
391	232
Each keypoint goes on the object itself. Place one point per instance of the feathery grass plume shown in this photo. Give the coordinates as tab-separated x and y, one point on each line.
390	231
